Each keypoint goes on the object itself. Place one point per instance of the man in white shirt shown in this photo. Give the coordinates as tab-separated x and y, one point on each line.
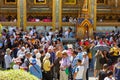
21	53
78	75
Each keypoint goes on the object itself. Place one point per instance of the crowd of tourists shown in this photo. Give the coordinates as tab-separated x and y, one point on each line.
46	56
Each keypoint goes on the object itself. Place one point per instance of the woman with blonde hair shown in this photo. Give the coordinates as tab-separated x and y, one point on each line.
57	64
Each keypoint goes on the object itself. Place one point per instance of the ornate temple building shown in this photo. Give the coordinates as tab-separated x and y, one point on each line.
84	16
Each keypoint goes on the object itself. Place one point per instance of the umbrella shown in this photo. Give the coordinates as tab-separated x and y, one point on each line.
101	47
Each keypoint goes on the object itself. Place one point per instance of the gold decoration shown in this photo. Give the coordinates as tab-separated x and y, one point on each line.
39	1
10	2
70	1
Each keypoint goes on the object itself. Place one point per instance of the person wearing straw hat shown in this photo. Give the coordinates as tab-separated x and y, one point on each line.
64	65
8	58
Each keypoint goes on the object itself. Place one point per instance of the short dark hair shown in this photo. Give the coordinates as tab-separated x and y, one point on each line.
109	73
80	61
41	51
75	52
79	49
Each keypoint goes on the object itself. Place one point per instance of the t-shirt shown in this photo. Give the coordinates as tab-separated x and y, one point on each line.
102	75
79	70
46	65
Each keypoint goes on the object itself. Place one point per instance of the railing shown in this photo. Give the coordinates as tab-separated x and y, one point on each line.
67	24
108	23
8	23
63	23
39	23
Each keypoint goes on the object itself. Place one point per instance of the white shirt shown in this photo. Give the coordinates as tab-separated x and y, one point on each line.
43	39
38	55
20	54
48	38
66	34
85	62
79	70
51	33
31	32
107	78
8	60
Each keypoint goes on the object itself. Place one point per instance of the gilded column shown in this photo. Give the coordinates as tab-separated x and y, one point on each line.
18	13
57	14
93	12
21	13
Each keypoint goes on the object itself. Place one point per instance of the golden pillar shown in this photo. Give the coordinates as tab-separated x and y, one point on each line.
57	14
95	14
53	14
93	11
18	13
21	14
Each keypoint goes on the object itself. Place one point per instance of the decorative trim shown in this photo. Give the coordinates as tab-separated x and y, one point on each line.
101	2
40	2
6	2
68	2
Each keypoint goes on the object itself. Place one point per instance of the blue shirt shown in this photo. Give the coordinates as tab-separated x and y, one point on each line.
52	57
80	56
74	61
36	71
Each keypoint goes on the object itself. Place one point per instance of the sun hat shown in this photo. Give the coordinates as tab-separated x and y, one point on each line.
23	48
64	52
47	55
38	55
84	53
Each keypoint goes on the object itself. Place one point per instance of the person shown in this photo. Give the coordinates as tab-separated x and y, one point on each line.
109	76
57	64
85	63
78	75
64	65
38	55
97	65
47	67
74	62
79	55
21	53
26	63
114	51
117	70
17	62
103	72
35	69
8	58
2	58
